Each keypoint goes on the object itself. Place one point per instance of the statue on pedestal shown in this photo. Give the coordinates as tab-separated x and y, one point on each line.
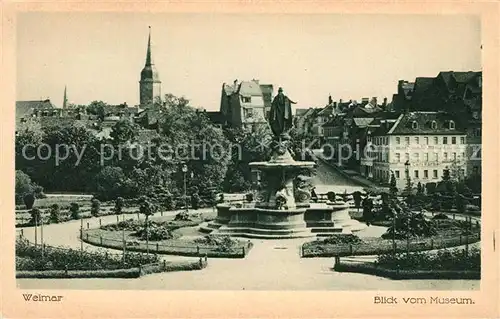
280	117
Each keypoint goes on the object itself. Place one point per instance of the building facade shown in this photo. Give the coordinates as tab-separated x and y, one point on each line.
244	105
425	143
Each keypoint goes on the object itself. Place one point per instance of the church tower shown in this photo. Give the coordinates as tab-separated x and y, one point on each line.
150	84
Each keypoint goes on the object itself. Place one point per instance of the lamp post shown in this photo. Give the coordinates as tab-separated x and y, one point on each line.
184	171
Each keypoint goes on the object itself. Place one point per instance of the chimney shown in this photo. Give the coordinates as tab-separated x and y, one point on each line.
235	84
334	105
340	101
385	101
330	101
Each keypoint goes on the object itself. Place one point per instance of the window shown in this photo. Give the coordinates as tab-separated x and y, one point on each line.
475	115
463	156
396	174
416	174
407	140
462	140
414	125
247	113
436	157
426	173
416	156
453	140
398	140
445	156
398	157
445	140
246	99
435	140
407	156
426	140
452	125
454	156
434	125
426	157
475	169
435	173
417	140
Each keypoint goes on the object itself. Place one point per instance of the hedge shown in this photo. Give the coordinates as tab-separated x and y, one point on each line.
371	269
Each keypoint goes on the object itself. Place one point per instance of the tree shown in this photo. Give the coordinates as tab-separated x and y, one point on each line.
392	183
147	208
420	189
23	186
55	214
36	216
29	200
95	207
195	200
74	210
119	203
367	210
97	108
123	131
111	182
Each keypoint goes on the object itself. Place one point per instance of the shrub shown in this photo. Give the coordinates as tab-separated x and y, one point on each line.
29	200
249	197
95	207
55	214
222	243
154	232
74	210
169	202
182	216
410	225
331	196
195	201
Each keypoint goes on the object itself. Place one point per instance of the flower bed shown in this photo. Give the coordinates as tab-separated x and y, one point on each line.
371	269
377	246
180	247
444	264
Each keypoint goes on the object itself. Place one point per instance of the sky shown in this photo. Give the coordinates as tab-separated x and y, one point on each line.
99	56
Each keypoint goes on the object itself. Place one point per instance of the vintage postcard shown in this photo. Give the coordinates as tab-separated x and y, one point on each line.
250	159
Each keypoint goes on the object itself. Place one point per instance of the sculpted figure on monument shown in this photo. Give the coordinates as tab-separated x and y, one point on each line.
280	117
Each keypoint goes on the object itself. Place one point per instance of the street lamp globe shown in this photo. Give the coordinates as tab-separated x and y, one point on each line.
184	168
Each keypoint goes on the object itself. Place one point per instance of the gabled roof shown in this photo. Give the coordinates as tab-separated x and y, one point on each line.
362	121
26	108
249	88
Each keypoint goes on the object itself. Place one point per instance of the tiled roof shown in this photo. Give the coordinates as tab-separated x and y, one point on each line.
423	120
422	84
26	108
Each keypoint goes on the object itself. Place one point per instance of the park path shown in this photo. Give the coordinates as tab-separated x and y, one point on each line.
270	265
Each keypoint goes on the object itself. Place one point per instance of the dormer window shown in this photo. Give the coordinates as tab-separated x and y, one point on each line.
434	125
246	99
452	125
414	125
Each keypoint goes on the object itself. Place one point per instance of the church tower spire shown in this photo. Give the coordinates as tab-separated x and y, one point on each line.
149	61
150	84
65	99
